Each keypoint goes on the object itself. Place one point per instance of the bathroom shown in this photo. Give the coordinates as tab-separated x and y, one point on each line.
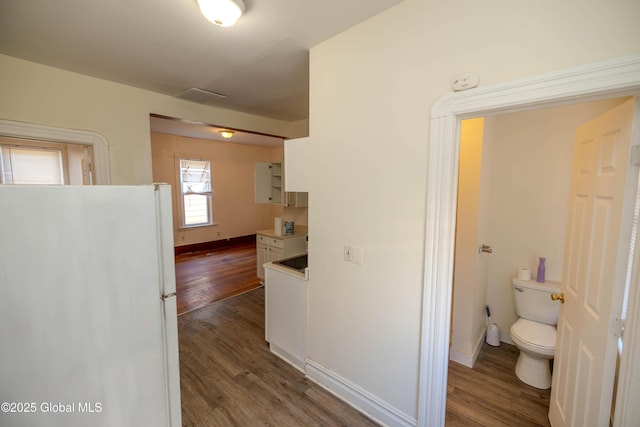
513	195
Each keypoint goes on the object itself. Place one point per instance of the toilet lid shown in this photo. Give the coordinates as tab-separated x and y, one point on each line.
534	333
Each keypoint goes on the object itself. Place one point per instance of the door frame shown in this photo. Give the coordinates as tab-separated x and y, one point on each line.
612	78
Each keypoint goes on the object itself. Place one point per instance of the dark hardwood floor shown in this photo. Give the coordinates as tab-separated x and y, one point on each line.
490	394
229	377
208	276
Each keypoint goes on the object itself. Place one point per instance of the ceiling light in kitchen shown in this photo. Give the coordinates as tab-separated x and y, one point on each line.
223	13
226	134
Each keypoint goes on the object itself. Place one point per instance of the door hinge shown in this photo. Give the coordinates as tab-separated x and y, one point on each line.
617	327
635	155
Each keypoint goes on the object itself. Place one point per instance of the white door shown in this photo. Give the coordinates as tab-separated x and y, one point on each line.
262	183
595	257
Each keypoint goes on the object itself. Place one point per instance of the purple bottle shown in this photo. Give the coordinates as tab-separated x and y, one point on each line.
540	276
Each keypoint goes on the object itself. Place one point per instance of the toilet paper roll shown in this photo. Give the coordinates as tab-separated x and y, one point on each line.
277	226
524	274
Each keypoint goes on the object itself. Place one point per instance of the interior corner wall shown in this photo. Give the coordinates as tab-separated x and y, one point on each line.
233	165
371	91
44	95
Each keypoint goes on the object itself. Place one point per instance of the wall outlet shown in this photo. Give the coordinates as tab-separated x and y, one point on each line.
348	252
353	254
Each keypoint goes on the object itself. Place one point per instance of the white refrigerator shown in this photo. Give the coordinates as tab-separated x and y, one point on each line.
88	326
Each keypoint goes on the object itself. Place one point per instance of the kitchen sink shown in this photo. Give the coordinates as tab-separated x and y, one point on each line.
298	263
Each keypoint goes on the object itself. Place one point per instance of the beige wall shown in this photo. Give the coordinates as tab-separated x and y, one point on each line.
235	211
371	91
470	273
44	95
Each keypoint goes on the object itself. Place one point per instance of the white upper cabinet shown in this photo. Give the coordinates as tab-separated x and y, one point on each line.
296	165
268	183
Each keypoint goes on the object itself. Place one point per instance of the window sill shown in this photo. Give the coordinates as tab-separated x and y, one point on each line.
191	227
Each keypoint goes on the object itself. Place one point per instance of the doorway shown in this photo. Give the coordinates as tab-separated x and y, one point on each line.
619	77
513	195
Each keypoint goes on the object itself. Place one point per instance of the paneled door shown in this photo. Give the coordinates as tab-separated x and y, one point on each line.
593	278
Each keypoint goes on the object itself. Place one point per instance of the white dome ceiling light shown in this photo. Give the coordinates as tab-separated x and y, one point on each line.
223	13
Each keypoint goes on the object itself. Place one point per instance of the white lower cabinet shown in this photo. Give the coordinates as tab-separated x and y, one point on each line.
272	248
286	315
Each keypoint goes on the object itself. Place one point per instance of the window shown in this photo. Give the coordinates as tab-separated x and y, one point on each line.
31	166
197	192
24	161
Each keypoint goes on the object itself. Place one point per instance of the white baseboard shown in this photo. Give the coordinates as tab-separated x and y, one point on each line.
461	358
287	357
355	396
466	359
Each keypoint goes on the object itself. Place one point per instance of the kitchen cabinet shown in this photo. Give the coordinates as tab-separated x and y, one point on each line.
268	183
296	200
296	164
272	248
286	314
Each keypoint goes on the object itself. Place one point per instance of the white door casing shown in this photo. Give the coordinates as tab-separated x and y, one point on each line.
616	77
594	266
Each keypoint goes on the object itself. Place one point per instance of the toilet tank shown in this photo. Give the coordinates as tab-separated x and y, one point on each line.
533	300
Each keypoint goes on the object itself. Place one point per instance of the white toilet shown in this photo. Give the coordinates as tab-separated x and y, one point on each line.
534	333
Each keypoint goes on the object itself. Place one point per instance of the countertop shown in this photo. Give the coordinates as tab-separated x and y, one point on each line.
298	230
304	276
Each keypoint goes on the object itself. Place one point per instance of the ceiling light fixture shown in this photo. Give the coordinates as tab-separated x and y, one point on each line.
223	13
226	134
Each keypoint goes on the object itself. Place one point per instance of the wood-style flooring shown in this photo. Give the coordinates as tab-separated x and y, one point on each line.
208	276
228	377
490	394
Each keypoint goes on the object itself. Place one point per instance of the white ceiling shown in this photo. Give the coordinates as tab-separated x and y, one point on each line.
261	64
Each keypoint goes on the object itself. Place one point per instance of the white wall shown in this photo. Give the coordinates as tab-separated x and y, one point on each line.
44	95
371	91
530	177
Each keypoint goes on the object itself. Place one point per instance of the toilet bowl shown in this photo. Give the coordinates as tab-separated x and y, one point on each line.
534	333
537	345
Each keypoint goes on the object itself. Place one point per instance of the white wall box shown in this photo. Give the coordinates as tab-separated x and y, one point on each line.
268	183
296	164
